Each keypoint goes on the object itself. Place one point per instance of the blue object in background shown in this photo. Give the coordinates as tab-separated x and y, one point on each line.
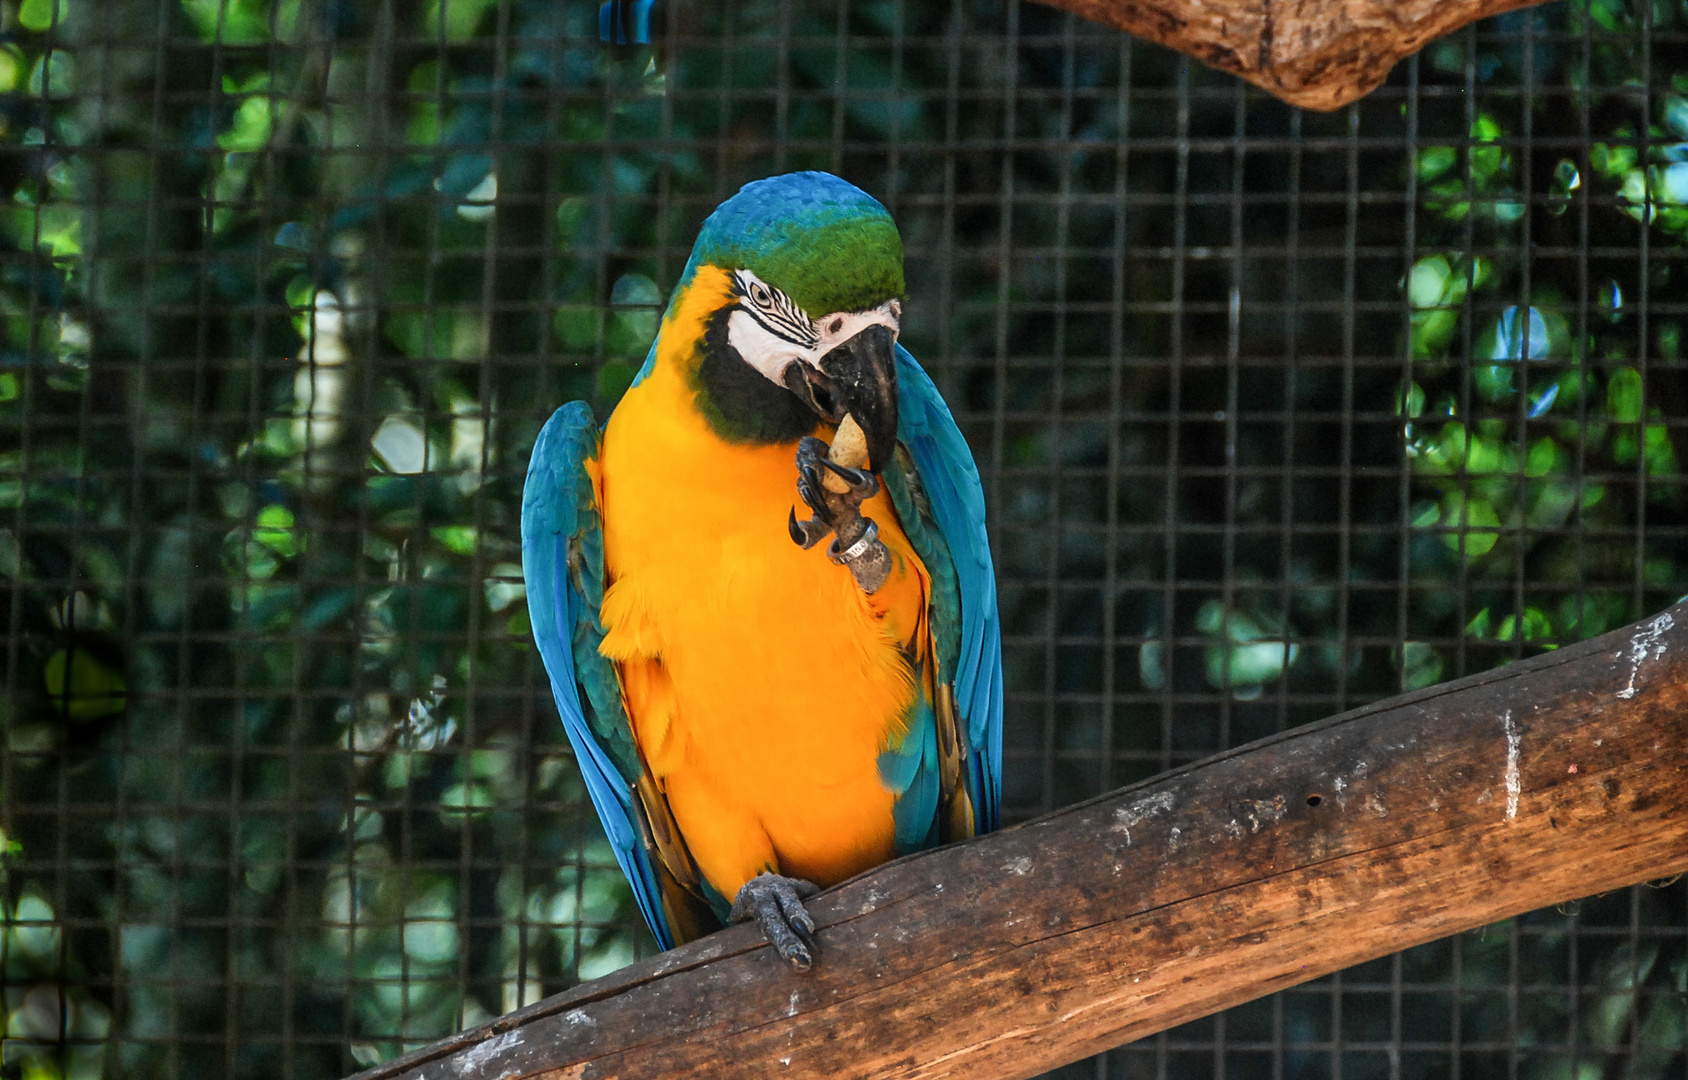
625	22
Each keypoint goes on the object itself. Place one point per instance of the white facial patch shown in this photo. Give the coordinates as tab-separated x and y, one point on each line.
841	326
770	331
761	348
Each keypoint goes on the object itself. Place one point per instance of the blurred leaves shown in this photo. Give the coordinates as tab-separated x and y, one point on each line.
81	687
287	302
304	534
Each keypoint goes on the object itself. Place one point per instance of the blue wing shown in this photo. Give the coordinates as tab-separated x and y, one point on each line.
563	562
972	657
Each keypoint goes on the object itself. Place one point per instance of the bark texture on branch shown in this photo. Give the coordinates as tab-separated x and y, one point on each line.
1318	54
1418	817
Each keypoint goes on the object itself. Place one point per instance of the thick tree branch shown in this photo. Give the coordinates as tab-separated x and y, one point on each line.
1431	813
1318	54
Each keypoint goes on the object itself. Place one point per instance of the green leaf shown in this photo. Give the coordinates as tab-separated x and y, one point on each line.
231	21
43	15
460	539
250	130
466	800
81	687
1659	450
1534	626
1611	160
12	68
1472	524
1623	395
1433	161
1411	404
1544	458
1427	285
1149	667
274	530
1420	664
1249	661
456	19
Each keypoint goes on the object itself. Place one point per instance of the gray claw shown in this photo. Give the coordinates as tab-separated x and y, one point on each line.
776	904
863	484
806	534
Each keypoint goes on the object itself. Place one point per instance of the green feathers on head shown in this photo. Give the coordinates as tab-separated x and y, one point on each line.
822	241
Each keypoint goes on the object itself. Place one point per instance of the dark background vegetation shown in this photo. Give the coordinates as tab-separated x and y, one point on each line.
1279	413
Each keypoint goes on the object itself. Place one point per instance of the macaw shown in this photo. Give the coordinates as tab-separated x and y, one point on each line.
755	718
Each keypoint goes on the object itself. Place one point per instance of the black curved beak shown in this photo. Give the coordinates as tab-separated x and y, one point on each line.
858	377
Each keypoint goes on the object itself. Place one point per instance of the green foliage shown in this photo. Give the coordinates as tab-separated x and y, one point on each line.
286	304
326	530
81	687
1252	652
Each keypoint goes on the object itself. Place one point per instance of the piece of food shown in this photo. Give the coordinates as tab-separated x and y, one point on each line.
849	449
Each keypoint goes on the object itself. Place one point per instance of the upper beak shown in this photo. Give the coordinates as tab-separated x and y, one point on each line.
858	377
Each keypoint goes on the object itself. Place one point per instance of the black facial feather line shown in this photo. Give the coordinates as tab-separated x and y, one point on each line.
775	312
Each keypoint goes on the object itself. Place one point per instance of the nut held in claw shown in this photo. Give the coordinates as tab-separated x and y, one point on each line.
849	449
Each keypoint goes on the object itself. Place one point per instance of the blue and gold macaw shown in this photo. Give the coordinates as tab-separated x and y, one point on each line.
756	718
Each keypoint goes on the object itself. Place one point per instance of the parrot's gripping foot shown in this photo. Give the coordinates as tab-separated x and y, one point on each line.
776	904
857	543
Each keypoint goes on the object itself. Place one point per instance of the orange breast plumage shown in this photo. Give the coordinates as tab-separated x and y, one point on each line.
762	684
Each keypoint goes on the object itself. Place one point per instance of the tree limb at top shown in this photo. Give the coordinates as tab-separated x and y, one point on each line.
1318	54
1431	813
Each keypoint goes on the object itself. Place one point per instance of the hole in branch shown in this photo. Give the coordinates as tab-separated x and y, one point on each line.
1314	800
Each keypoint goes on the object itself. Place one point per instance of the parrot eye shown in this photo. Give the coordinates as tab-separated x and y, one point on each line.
775	312
837	325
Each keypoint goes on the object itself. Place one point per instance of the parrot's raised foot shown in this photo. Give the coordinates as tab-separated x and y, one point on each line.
776	903
857	545
833	508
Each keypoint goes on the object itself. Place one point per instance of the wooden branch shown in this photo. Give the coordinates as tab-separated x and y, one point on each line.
1318	54
1431	813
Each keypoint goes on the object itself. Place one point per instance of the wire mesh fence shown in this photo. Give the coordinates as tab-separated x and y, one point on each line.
1278	413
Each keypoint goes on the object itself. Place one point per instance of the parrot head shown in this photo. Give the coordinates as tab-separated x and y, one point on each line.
810	308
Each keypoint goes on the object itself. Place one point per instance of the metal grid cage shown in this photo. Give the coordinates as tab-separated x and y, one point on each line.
1279	413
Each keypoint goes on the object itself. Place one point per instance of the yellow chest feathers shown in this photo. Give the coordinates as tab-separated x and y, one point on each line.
762	683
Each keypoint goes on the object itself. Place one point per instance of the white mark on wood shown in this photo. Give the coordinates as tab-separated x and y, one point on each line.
1485	795
1599	742
785	1061
1643	642
1141	811
479	1055
1267	810
791	1005
577	1017
1374	803
1174	839
1514	784
1019	867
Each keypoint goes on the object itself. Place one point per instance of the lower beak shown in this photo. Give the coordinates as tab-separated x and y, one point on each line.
863	371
